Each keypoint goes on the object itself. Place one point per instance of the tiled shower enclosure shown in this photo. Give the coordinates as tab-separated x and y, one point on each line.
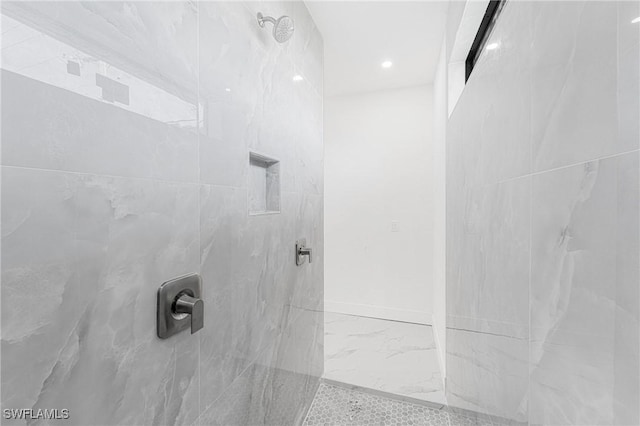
127	133
543	219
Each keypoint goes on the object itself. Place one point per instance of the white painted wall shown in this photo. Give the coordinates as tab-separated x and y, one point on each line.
379	169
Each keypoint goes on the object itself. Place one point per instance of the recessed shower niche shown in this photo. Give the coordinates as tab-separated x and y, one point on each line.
264	184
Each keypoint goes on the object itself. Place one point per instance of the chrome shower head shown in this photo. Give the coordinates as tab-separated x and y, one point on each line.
282	27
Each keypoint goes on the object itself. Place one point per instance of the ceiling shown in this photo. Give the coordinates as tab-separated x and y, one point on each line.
360	35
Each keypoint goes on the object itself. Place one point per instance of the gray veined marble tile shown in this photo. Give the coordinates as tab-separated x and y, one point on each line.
308	47
256	290
251	280
49	127
271	114
226	348
488	373
278	387
273	122
584	305
628	77
297	365
83	256
141	92
581	347
496	121
493	276
308	292
230	60
574	107
247	88
308	166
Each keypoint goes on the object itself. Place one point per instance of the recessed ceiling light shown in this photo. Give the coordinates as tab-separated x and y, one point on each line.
492	46
635	21
387	64
297	77
227	90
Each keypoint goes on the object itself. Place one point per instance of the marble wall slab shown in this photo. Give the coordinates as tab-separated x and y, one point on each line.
584	268
493	254
489	373
573	94
278	388
389	356
543	246
81	261
125	164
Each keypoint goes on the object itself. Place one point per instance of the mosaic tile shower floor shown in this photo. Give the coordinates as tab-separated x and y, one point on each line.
334	405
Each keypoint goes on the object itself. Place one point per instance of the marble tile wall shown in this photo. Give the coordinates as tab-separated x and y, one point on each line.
390	356
543	219
126	132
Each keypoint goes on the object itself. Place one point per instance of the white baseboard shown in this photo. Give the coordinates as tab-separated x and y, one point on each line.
372	311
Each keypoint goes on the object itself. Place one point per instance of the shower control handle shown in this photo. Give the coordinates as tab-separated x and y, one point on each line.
305	251
301	251
180	306
193	306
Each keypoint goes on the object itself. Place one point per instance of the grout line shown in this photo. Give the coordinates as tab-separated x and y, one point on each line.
144	178
541	172
487	333
492	321
379	319
74	172
606	157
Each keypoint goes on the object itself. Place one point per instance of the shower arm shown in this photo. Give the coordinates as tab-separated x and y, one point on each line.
262	19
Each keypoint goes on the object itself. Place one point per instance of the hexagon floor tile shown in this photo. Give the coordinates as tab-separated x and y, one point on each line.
334	405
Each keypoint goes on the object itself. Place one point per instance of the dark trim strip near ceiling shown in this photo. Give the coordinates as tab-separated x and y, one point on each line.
488	21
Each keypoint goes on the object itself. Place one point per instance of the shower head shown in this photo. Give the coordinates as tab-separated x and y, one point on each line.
282	27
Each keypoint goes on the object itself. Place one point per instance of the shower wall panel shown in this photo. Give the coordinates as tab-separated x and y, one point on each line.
543	219
126	133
